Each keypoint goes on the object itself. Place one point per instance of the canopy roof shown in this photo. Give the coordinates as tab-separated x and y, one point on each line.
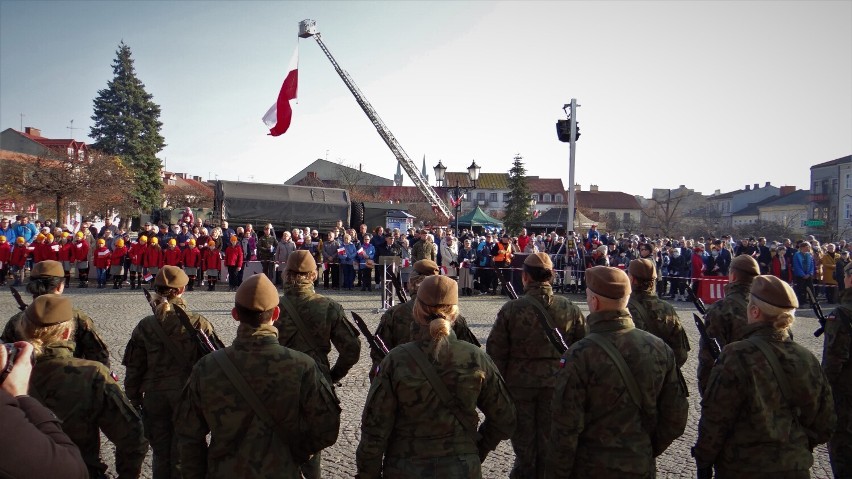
477	217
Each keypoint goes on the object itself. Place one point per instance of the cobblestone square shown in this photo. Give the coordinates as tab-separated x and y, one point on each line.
116	313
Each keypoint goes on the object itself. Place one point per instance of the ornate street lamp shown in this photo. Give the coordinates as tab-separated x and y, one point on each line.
458	190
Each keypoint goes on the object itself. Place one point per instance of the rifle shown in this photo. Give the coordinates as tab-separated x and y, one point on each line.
204	343
712	343
553	334
817	310
375	342
699	304
21	304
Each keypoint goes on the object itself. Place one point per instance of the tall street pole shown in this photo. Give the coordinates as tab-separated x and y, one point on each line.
573	149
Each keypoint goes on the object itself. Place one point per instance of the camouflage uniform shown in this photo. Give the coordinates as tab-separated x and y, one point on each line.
397	326
529	362
87	400
659	318
747	428
406	422
726	321
422	250
838	369
328	325
597	430
299	398
154	379
88	344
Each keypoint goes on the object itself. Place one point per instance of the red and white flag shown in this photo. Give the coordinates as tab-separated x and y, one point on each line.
281	112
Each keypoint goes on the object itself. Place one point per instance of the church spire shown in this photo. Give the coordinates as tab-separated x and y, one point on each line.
425	175
397	178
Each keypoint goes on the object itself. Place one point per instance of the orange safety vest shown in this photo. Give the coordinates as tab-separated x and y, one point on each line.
503	255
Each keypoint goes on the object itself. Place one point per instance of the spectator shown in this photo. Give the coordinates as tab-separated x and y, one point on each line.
450	256
829	263
187	217
26	229
108	226
227	232
366	255
7	230
347	254
282	252
331	270
803	270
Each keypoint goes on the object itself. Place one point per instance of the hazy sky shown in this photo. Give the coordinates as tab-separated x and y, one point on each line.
706	94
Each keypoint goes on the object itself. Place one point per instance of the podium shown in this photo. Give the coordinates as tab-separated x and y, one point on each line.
392	264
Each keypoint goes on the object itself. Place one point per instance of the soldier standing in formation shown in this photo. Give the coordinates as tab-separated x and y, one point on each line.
48	278
80	392
420	419
726	319
768	402
837	364
248	439
620	400
528	361
159	358
311	323
652	314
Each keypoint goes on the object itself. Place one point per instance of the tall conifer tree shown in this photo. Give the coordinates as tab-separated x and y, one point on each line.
518	206
127	124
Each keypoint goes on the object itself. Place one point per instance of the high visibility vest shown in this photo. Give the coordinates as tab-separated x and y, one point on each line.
503	255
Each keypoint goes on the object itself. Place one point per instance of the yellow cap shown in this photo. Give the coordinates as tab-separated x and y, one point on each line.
172	241
101	242
155	240
119	242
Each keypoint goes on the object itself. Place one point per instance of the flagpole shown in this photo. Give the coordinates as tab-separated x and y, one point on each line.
571	158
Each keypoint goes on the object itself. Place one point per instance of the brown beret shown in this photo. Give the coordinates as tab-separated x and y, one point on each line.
47	268
257	294
171	277
608	282
49	309
301	261
774	291
426	267
642	268
745	264
539	260
436	290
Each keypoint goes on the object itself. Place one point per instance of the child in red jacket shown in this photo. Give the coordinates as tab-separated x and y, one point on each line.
5	256
137	258
81	256
101	260
66	256
212	264
116	261
234	262
171	256
20	253
191	260
153	257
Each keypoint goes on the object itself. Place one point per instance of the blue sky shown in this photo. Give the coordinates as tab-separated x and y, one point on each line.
706	94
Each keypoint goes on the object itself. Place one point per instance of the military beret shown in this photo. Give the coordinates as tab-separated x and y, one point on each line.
257	294
745	264
608	282
49	309
426	267
47	268
436	290
301	261
774	291
642	268
539	260
171	277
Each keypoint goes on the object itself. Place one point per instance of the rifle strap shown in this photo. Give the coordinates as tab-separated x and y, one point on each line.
643	312
777	370
413	350
547	322
300	325
170	345
621	365
240	384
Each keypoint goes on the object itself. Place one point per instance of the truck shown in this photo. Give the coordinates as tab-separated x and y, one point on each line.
284	206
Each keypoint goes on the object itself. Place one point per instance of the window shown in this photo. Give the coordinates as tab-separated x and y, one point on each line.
815	189
546	198
492	197
626	217
480	195
848	181
535	197
507	197
558	198
848	209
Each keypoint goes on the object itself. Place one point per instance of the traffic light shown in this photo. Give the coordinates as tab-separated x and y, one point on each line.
563	128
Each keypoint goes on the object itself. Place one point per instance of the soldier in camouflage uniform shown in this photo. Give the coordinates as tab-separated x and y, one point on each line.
80	392
837	364
726	319
529	362
156	371
750	427
397	325
407	430
48	277
301	402
599	429
320	322
652	314
266	244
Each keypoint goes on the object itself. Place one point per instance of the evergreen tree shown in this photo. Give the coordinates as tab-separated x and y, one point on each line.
518	207
127	124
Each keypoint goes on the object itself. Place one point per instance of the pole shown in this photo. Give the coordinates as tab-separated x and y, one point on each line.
573	143
458	206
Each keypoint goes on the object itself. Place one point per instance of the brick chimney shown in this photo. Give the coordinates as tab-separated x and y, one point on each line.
593	187
748	187
757	186
768	184
577	187
786	190
32	131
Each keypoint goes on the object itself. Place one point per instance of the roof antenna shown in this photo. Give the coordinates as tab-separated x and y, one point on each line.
72	128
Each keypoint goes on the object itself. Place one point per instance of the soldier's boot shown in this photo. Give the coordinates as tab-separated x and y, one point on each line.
191	285
67	279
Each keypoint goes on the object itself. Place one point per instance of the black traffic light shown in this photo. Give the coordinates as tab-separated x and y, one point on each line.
563	128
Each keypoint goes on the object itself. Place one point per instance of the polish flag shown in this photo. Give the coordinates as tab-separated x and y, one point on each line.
280	113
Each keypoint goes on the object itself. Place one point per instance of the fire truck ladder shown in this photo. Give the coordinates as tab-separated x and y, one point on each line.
308	28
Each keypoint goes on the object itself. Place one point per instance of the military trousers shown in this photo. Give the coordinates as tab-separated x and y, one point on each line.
532	434
159	407
840	445
313	468
464	466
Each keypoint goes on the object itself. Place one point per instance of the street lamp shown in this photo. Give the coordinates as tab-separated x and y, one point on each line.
459	191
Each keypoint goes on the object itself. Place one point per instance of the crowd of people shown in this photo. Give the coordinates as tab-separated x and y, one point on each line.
577	396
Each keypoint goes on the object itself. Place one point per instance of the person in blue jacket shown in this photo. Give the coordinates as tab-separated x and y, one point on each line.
366	257
803	270
347	257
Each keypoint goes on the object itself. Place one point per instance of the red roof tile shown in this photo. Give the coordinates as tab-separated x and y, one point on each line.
611	200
